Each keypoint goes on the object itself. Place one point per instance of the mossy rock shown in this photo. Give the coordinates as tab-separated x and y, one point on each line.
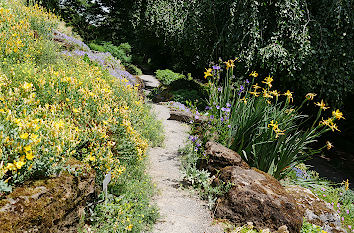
49	205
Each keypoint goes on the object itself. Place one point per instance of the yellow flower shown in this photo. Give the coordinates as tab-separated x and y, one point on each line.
75	110
24	136
29	155
266	94
208	73
230	64
275	93
338	114
130	227
33	137
256	87
27	86
19	164
11	166
244	100
329	145
256	94
346	184
268	80
322	105
254	74
27	148
310	96
334	127
289	95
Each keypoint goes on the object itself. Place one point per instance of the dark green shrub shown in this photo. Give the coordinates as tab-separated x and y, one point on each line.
166	77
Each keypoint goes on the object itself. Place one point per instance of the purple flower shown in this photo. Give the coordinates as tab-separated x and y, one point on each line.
196	117
219	89
242	88
211	116
223	109
196	149
207	108
216	67
227	109
198	144
228	105
246	81
229	126
221	119
347	211
217	107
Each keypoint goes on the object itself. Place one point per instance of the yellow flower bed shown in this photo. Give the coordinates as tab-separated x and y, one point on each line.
65	107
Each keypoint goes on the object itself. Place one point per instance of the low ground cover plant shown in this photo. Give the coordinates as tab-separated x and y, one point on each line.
55	105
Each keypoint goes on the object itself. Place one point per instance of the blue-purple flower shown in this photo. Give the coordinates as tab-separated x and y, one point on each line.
216	67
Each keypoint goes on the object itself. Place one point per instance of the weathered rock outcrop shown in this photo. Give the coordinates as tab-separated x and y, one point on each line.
316	210
220	157
49	205
259	198
186	117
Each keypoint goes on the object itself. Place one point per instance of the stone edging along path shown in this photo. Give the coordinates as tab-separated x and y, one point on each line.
181	211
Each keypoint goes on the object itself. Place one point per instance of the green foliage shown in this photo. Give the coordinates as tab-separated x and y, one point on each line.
167	76
310	228
259	125
128	208
201	180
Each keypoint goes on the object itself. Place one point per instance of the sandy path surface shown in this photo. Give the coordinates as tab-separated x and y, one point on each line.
180	210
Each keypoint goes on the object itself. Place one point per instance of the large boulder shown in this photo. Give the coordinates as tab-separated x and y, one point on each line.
259	198
316	210
219	157
49	205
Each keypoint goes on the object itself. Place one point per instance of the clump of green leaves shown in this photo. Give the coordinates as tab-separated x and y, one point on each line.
201	180
167	76
260	124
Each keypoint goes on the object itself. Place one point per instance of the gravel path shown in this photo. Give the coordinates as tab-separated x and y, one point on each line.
180	211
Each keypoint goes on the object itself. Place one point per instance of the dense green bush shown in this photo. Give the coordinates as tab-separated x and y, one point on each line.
166	77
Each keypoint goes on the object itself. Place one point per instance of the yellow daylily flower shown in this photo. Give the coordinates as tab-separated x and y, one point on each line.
244	100
254	74
310	96
338	114
256	94
268	80
346	185
267	94
322	105
230	64
329	145
289	95
256	87
11	166
275	93
208	72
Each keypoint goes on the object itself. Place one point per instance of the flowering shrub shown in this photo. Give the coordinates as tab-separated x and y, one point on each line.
69	108
259	123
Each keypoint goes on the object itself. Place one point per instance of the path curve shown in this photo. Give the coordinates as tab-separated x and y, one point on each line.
181	211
